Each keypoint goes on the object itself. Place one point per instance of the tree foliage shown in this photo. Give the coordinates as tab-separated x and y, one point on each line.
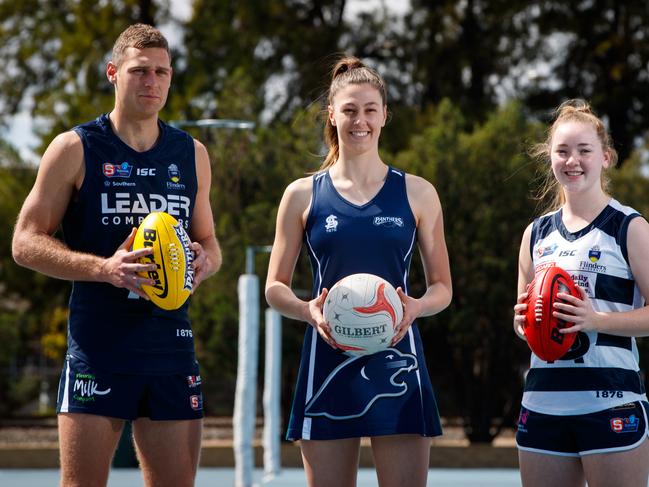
28	301
595	50
482	176
55	55
449	67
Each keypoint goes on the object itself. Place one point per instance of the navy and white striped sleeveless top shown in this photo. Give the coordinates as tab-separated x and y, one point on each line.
334	398
600	371
109	328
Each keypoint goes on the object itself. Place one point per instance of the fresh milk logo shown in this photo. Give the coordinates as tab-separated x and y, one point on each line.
86	388
331	223
388	221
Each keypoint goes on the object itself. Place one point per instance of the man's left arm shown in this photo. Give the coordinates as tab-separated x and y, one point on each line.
207	253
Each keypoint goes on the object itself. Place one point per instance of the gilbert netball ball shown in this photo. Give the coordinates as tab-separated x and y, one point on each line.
362	311
174	276
541	328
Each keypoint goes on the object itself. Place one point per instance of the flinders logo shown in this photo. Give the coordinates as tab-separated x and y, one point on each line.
594	254
174	176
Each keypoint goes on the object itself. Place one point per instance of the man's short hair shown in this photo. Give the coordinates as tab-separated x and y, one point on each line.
140	36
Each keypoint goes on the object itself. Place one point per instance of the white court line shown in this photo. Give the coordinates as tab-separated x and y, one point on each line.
436	478
290	477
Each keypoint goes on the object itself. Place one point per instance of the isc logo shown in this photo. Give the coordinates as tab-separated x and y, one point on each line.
567	253
146	171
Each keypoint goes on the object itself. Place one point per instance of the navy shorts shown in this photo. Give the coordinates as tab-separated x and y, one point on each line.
84	389
617	429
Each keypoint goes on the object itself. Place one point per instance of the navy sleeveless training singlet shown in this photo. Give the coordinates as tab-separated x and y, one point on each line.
387	393
109	327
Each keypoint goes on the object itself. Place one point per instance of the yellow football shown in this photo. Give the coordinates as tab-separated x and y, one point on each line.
174	276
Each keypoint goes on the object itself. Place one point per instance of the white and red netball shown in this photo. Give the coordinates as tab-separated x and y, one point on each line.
173	256
541	327
362	311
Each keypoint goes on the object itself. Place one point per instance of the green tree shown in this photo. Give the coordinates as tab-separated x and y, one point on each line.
483	179
249	174
55	53
630	185
598	51
28	300
284	49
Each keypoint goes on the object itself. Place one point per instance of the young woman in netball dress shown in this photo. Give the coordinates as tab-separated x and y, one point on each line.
357	214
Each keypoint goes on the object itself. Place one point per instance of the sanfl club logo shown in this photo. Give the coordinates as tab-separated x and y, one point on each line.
331	224
120	170
625	425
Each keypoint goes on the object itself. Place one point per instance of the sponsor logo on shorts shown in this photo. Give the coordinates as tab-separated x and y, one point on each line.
331	223
193	381
522	421
625	425
85	388
196	402
122	170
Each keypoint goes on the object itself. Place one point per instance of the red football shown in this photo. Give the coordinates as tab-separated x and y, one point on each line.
541	328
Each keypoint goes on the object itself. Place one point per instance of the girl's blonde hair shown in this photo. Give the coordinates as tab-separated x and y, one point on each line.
575	110
348	70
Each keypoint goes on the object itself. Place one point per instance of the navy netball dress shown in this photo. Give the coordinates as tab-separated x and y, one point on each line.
387	393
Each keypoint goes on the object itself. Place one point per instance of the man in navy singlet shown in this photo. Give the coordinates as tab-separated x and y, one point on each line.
127	359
